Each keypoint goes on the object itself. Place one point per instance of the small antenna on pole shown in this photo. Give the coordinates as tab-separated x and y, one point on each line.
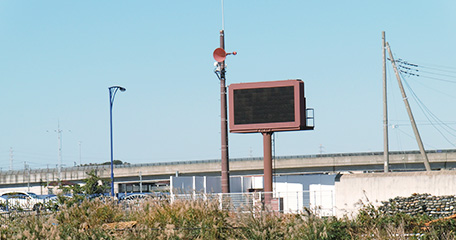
223	17
59	138
80	163
11	158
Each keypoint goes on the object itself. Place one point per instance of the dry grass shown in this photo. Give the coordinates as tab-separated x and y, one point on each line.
198	219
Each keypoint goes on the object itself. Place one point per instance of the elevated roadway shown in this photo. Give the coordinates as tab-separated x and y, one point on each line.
283	165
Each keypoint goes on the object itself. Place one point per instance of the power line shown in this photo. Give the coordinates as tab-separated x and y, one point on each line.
410	136
437	69
438	79
425	110
412	69
436	90
438	74
422	124
436	66
428	110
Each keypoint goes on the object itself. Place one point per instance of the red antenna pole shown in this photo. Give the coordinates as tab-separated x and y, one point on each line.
224	123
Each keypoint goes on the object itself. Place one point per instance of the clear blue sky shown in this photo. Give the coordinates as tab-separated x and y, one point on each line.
58	58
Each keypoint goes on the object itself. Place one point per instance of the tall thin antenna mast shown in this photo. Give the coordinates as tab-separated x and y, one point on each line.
223	17
220	56
27	172
385	109
409	111
59	138
11	159
80	163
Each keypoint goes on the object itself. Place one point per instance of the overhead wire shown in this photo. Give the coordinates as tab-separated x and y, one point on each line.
437	69
436	66
427	109
448	129
437	79
436	90
438	74
412	137
424	123
412	70
427	112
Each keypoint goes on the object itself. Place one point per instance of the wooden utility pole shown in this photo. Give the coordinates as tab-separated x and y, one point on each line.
409	111
385	109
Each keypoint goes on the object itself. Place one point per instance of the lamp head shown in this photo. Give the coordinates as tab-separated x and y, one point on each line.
122	89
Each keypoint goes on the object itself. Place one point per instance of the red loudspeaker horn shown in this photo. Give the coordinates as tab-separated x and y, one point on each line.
219	55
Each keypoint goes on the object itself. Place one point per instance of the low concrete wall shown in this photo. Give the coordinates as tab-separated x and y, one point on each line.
354	190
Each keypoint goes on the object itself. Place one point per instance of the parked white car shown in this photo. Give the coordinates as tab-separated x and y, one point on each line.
21	200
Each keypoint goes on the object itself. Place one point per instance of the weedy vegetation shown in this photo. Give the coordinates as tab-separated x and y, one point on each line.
198	219
83	217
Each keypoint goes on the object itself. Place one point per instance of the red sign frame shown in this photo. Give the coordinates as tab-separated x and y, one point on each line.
299	122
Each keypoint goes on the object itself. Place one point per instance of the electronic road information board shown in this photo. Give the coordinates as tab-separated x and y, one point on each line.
267	106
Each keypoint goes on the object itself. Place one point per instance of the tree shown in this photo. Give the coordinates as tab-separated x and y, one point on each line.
94	185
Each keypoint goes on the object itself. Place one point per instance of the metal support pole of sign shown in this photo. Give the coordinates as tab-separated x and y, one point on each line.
267	162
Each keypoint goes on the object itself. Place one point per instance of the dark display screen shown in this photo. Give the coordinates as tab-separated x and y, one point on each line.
264	105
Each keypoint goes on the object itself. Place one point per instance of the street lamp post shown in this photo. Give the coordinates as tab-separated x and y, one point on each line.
112	94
